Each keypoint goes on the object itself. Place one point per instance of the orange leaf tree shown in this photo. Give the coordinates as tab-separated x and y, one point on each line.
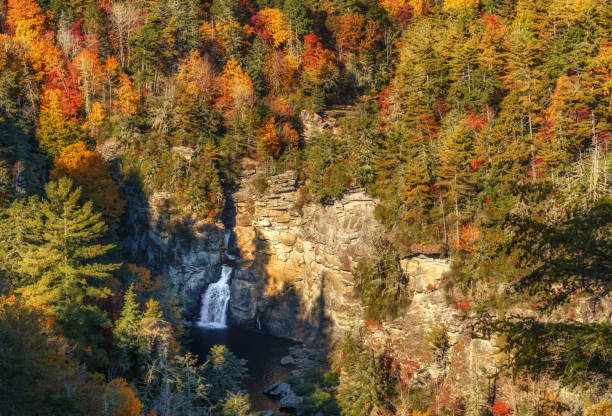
122	398
275	22
268	140
88	170
237	93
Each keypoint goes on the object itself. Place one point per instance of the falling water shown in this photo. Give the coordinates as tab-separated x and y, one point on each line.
214	301
226	238
258	322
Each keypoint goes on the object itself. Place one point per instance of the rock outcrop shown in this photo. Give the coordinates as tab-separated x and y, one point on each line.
295	274
293	279
282	391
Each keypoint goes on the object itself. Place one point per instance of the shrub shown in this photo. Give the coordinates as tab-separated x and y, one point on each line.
603	408
313	375
331	379
304	389
500	409
293	381
309	405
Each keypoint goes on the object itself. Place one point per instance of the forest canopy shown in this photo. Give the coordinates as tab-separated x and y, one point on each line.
481	127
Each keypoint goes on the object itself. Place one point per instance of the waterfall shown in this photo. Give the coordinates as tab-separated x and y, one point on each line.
258	322
227	240
214	301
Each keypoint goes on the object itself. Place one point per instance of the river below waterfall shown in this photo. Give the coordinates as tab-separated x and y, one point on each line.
263	354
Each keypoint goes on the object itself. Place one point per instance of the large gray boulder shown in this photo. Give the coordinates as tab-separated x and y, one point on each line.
291	401
278	390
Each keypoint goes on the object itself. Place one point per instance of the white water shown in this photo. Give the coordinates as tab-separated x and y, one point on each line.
214	301
258	322
226	238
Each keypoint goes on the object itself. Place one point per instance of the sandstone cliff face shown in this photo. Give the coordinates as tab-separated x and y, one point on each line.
295	274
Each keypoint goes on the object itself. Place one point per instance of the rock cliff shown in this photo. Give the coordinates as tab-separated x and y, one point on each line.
295	273
293	279
187	250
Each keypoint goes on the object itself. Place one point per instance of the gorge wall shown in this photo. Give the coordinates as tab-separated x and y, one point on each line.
293	279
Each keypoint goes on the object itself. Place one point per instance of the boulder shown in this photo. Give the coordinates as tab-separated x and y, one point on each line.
183	151
290	401
278	390
287	360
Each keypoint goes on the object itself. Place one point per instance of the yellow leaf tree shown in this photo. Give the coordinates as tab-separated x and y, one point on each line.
268	141
276	23
95	120
55	130
127	98
460	4
236	89
90	71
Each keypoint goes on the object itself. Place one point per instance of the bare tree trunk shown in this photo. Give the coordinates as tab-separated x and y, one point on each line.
443	220
595	162
532	146
456	210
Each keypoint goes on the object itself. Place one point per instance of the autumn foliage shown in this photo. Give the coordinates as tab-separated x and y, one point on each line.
236	91
88	170
55	129
500	409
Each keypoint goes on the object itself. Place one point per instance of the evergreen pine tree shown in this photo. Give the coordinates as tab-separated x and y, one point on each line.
153	310
224	372
454	171
63	255
126	327
254	63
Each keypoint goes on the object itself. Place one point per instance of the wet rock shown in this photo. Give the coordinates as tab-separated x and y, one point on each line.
243	303
287	360
288	399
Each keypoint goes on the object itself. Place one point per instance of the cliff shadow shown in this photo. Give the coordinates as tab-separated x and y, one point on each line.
266	297
184	252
